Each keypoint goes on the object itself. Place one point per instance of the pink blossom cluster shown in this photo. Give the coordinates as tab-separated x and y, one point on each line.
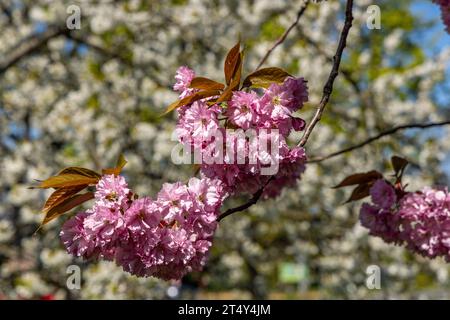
165	238
269	115
445	12
419	220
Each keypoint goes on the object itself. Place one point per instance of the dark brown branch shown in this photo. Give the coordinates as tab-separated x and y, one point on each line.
328	89
377	137
326	96
248	204
244	206
29	46
285	34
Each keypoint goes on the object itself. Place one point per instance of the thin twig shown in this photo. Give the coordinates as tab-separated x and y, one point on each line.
326	96
328	89
377	137
244	206
285	34
249	203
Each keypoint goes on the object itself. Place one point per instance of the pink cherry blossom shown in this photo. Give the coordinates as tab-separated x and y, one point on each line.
242	109
383	194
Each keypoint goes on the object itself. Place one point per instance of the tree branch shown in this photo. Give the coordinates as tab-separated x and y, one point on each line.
328	89
29	46
249	203
285	34
377	137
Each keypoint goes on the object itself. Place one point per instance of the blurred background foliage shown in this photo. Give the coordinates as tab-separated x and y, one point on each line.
81	97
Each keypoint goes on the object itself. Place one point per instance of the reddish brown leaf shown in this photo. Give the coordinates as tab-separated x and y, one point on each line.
60	195
81	171
231	61
359	178
67	180
192	98
263	78
121	162
67	205
234	85
360	192
399	164
226	95
206	84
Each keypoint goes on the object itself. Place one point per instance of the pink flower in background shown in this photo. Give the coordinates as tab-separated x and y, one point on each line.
383	194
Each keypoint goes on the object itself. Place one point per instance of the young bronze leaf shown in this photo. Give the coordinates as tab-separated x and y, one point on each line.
399	164
206	84
226	95
59	196
231	61
360	192
67	205
359	178
192	98
234	85
113	171
237	73
67	180
264	77
121	162
82	171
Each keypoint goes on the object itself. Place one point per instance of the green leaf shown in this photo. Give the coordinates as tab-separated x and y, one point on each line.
264	77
